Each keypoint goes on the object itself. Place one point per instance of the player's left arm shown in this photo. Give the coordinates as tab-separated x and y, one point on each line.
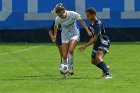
78	17
85	26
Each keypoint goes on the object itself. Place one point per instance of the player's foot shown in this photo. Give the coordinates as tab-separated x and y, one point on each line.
70	67
103	74
107	77
72	73
65	76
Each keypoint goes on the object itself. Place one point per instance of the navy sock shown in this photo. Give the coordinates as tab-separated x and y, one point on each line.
104	68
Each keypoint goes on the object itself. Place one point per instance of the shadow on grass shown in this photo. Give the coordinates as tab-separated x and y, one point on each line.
13	79
57	77
37	76
47	77
78	78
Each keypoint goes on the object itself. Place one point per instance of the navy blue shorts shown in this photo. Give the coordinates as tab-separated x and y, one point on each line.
103	48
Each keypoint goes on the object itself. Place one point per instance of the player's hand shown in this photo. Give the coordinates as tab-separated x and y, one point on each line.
53	39
82	48
89	33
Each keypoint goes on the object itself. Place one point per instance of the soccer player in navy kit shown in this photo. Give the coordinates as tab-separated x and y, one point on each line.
57	39
100	40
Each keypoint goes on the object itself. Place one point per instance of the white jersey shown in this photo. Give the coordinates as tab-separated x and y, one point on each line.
69	25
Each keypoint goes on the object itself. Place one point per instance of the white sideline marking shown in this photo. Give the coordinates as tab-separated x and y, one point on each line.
23	50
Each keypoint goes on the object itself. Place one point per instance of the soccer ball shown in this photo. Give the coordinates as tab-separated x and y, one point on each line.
63	69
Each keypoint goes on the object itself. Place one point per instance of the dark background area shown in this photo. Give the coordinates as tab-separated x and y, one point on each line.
42	36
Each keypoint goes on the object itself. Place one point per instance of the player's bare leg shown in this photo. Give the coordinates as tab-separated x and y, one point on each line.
65	48
73	44
93	61
101	64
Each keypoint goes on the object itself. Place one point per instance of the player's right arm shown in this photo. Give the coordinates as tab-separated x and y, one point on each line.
92	40
56	26
51	33
52	36
55	30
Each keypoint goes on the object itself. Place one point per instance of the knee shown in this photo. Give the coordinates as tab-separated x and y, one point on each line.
94	62
71	51
98	59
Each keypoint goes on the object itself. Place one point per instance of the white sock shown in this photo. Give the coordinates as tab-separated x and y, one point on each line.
64	61
70	59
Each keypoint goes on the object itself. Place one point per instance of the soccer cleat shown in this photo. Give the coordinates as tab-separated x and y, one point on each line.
107	77
108	67
70	68
65	76
103	74
72	73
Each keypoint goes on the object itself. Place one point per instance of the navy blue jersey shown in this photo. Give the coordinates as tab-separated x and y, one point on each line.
98	29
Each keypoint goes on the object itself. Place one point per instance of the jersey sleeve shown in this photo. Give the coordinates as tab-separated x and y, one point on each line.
97	29
57	21
77	16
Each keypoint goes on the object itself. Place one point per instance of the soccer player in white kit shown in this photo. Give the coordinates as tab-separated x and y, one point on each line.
70	33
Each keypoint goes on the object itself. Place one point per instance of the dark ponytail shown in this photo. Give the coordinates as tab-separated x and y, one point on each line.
59	8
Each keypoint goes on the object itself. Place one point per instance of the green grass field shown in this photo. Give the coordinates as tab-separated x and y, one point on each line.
33	68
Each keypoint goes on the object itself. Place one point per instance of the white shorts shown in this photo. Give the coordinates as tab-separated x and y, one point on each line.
67	39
